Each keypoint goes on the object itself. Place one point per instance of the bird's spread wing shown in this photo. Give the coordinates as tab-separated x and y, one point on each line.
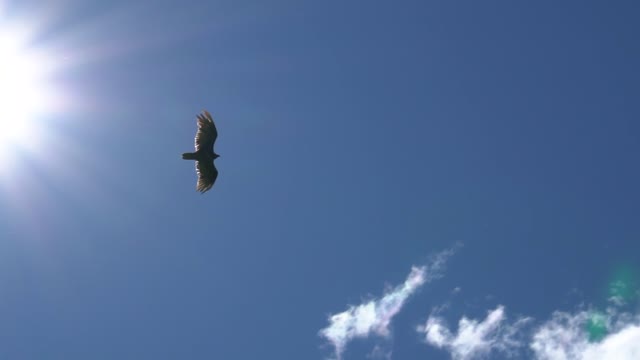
207	174
207	132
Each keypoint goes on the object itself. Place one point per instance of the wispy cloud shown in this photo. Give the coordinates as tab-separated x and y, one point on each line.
380	353
374	317
474	339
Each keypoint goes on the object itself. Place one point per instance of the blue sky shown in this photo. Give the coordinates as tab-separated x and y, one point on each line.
490	146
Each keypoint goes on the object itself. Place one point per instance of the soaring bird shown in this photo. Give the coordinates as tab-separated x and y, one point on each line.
204	156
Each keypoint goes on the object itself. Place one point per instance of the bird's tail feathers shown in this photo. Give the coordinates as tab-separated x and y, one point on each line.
189	156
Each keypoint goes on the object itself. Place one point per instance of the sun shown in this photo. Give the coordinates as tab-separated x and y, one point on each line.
25	92
22	94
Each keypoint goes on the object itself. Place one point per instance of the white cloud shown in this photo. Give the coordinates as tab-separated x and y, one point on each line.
562	337
567	337
374	317
583	335
623	345
474	339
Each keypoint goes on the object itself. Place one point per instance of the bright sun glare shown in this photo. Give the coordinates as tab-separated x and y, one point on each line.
23	89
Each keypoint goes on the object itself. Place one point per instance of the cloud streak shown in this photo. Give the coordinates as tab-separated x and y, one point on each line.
374	317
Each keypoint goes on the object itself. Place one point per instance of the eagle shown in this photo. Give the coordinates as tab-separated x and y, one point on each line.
204	156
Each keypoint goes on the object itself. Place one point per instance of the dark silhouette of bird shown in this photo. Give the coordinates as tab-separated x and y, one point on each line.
204	156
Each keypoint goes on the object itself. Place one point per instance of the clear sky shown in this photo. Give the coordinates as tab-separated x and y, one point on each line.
398	180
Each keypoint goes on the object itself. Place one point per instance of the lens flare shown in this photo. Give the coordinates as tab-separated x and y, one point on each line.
596	326
623	287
